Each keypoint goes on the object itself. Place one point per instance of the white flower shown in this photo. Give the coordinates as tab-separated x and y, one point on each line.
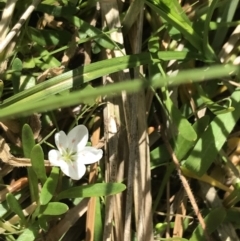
73	154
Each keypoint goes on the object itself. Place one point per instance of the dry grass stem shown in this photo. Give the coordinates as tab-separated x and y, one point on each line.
187	188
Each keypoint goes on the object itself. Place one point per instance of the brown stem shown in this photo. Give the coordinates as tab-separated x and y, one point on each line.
186	187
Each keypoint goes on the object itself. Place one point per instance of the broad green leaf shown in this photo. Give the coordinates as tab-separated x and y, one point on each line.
181	146
49	61
53	209
161	227
49	186
159	156
15	207
212	220
37	160
92	190
47	37
233	216
29	233
27	82
178	121
212	140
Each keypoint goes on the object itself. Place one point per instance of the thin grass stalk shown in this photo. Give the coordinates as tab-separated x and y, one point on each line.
187	188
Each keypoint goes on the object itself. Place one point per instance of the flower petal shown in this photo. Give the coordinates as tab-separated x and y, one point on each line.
77	138
73	170
89	155
61	141
54	158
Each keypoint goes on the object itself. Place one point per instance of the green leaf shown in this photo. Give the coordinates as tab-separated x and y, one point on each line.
233	197
183	146
92	190
215	108
212	140
29	233
98	226
49	186
28	141
46	37
82	75
173	239
17	69
180	122
212	220
54	209
28	102
1	88
33	184
174	15
37	160
15	207
104	40
57	11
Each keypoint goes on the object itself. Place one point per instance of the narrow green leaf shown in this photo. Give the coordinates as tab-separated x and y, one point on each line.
92	190
37	160
15	207
49	186
212	220
28	141
33	184
43	223
170	11
34	105
234	197
53	209
17	69
84	74
212	140
214	107
1	88
173	239
98	226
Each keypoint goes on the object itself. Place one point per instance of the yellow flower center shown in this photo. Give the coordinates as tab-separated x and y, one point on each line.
68	156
